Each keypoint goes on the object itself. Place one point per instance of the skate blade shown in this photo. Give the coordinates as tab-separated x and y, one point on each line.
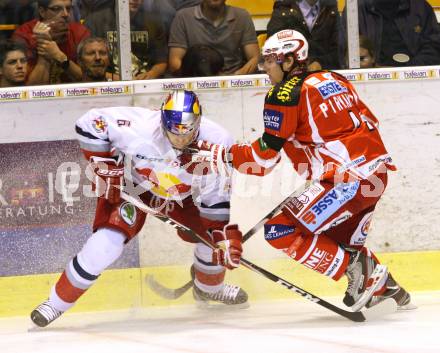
385	307
207	305
407	307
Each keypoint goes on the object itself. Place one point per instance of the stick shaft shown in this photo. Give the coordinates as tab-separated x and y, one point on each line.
354	316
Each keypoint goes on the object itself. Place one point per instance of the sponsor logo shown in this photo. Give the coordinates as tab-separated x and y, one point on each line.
266	82
272	119
299	204
243	83
351	164
78	92
309	218
319	260
113	90
128	213
99	125
329	204
152	159
275	231
209	84
48	93
284	93
164	185
333	268
360	234
382	76
173	85
329	89
386	160
353	77
12	95
416	74
285	34
327	200
366	226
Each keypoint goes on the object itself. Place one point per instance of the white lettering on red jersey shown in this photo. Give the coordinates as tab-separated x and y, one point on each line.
322	125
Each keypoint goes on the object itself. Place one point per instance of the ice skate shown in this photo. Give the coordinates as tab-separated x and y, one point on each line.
44	314
395	291
365	276
230	295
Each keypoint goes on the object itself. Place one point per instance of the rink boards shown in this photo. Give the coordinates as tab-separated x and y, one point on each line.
126	288
45	218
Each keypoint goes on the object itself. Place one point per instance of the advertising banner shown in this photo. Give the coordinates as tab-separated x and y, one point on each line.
46	208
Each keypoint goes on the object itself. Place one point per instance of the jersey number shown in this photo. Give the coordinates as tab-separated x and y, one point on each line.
358	121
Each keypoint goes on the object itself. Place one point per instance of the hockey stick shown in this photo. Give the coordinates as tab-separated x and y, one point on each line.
175	293
385	307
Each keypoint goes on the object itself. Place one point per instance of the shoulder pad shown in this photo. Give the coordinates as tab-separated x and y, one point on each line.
286	92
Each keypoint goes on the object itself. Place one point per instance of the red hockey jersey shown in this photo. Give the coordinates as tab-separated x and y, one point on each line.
322	125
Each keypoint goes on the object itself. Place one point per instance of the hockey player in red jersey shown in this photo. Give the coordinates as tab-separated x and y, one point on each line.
152	142
332	140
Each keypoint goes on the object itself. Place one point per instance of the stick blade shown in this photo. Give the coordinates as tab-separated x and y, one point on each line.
164	292
388	306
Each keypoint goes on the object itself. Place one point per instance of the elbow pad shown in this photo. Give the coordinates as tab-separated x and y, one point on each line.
274	142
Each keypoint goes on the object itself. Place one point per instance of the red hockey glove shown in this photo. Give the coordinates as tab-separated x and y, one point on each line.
109	178
229	251
203	157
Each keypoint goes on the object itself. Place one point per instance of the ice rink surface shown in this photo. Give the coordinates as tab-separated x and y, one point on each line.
293	326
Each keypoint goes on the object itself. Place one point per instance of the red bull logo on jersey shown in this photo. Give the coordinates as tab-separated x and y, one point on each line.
329	204
165	185
329	89
99	125
272	119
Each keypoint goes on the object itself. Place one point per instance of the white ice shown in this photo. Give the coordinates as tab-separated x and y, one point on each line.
272	327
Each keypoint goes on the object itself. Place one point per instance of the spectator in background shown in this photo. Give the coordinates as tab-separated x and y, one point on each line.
94	60
202	60
367	54
148	40
318	21
228	29
166	9
76	10
404	32
99	16
13	64
52	43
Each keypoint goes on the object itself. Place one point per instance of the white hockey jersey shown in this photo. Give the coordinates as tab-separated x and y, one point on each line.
155	165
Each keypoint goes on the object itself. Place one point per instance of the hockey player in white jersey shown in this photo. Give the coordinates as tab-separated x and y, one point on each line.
145	149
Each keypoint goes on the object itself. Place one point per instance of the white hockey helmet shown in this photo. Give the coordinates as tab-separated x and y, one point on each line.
286	42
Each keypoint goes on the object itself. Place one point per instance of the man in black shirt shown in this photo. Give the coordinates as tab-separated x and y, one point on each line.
404	32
